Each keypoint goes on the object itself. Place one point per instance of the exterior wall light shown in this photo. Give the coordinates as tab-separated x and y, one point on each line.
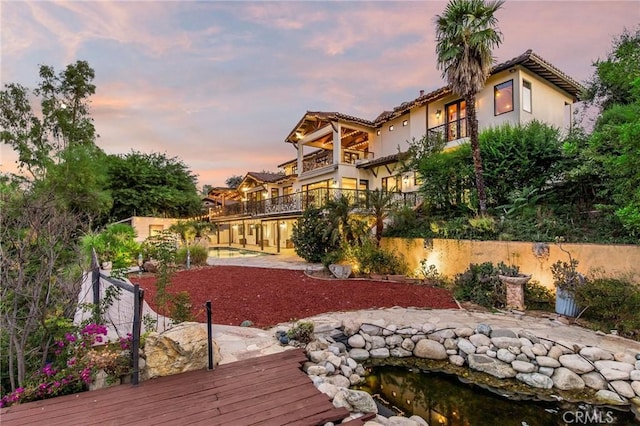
391	128
438	114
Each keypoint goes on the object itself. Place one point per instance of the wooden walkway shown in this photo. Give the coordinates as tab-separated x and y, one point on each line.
268	390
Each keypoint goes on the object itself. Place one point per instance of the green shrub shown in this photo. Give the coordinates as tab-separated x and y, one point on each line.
198	254
181	307
538	297
309	238
480	284
302	331
429	275
371	259
611	304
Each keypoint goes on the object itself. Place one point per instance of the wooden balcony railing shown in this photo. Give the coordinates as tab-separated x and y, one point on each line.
298	202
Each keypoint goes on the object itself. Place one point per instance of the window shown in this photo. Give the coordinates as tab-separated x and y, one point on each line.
392	183
503	97
274	193
526	96
456	120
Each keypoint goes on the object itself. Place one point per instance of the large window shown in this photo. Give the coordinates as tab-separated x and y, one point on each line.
526	96
456	117
503	97
392	183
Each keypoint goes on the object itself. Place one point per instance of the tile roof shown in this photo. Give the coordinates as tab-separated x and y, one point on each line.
267	177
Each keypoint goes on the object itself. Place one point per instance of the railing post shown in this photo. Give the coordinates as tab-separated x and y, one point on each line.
209	336
95	285
138	298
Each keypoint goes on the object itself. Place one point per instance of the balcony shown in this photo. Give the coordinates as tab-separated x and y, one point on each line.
296	203
451	131
325	158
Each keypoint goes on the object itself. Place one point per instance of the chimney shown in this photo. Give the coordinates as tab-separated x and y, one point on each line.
421	92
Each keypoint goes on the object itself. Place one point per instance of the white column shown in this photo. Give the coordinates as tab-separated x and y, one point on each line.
337	144
300	157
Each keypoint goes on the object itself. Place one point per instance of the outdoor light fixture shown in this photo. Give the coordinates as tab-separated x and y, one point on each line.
405	122
378	133
438	114
391	128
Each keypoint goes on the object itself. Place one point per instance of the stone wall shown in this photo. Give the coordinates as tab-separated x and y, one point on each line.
452	257
337	357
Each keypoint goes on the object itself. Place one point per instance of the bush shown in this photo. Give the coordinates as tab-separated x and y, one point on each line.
302	331
480	284
309	238
198	254
430	276
538	297
181	308
612	304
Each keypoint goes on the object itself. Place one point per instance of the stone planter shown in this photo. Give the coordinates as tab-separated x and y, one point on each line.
515	290
566	303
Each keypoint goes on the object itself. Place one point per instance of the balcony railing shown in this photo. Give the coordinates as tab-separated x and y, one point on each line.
298	202
452	130
325	158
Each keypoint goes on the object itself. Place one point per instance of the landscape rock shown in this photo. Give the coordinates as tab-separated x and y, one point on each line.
576	363
622	388
535	380
594	380
491	366
565	379
593	353
609	397
430	349
359	354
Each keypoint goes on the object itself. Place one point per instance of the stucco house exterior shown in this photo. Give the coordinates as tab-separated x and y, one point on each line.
340	153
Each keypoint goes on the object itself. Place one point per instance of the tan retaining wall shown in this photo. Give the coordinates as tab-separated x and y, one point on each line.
452	257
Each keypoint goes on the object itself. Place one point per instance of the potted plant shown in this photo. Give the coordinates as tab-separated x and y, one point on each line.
567	279
514	282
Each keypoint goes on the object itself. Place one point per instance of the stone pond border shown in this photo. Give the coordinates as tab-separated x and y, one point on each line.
337	355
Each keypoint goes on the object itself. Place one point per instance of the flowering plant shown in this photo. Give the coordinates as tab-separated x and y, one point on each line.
76	359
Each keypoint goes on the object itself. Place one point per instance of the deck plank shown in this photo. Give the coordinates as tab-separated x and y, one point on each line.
269	391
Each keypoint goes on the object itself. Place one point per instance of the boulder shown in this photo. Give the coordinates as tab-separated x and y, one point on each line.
622	388
356	341
523	367
535	380
593	353
576	363
360	401
609	397
565	379
359	354
594	380
179	349
430	349
491	366
616	365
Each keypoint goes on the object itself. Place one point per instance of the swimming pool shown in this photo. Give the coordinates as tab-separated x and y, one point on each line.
227	252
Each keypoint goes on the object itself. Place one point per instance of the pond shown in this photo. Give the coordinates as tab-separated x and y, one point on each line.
442	399
228	252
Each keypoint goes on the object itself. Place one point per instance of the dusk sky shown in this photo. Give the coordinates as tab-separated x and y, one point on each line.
221	84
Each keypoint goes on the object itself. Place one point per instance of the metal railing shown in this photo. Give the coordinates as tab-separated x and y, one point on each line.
452	130
300	201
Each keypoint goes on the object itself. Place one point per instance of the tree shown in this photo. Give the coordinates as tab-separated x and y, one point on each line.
40	273
151	185
62	121
233	181
466	33
380	202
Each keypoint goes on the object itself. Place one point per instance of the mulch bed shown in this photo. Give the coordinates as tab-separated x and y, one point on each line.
271	296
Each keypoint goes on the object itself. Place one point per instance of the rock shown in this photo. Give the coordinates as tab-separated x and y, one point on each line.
529	336
179	349
346	370
452	351
634	375
514	350
593	353
482	349
328	389
491	353
466	346
505	342
536	380
622	366
318	356
624	357
503	332
428	327
150	266
609	397
359	354
525	342
611	374
635	385
555	352
352	363
480	340
356	341
576	363
450	344
463	331
622	388
565	379
408	344
367	338
546	361
523	358
400	353
538	349
430	349
547	371
491	366
379	353
523	367
340	400
445	334
394	340
401	421
378	342
354	379
374	328
484	329
456	360
338	381
505	355
389	330
594	380
351	326
317	370
419	420
360	401
341	272
329	368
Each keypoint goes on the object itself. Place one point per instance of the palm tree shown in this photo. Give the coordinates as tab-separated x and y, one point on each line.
465	34
379	202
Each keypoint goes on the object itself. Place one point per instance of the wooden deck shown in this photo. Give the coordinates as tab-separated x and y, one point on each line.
269	390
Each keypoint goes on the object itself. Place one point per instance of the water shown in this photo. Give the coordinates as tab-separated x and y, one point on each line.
442	399
227	252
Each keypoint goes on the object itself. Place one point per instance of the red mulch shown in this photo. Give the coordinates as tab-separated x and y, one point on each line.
271	296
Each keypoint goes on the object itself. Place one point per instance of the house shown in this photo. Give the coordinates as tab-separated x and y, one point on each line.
341	154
